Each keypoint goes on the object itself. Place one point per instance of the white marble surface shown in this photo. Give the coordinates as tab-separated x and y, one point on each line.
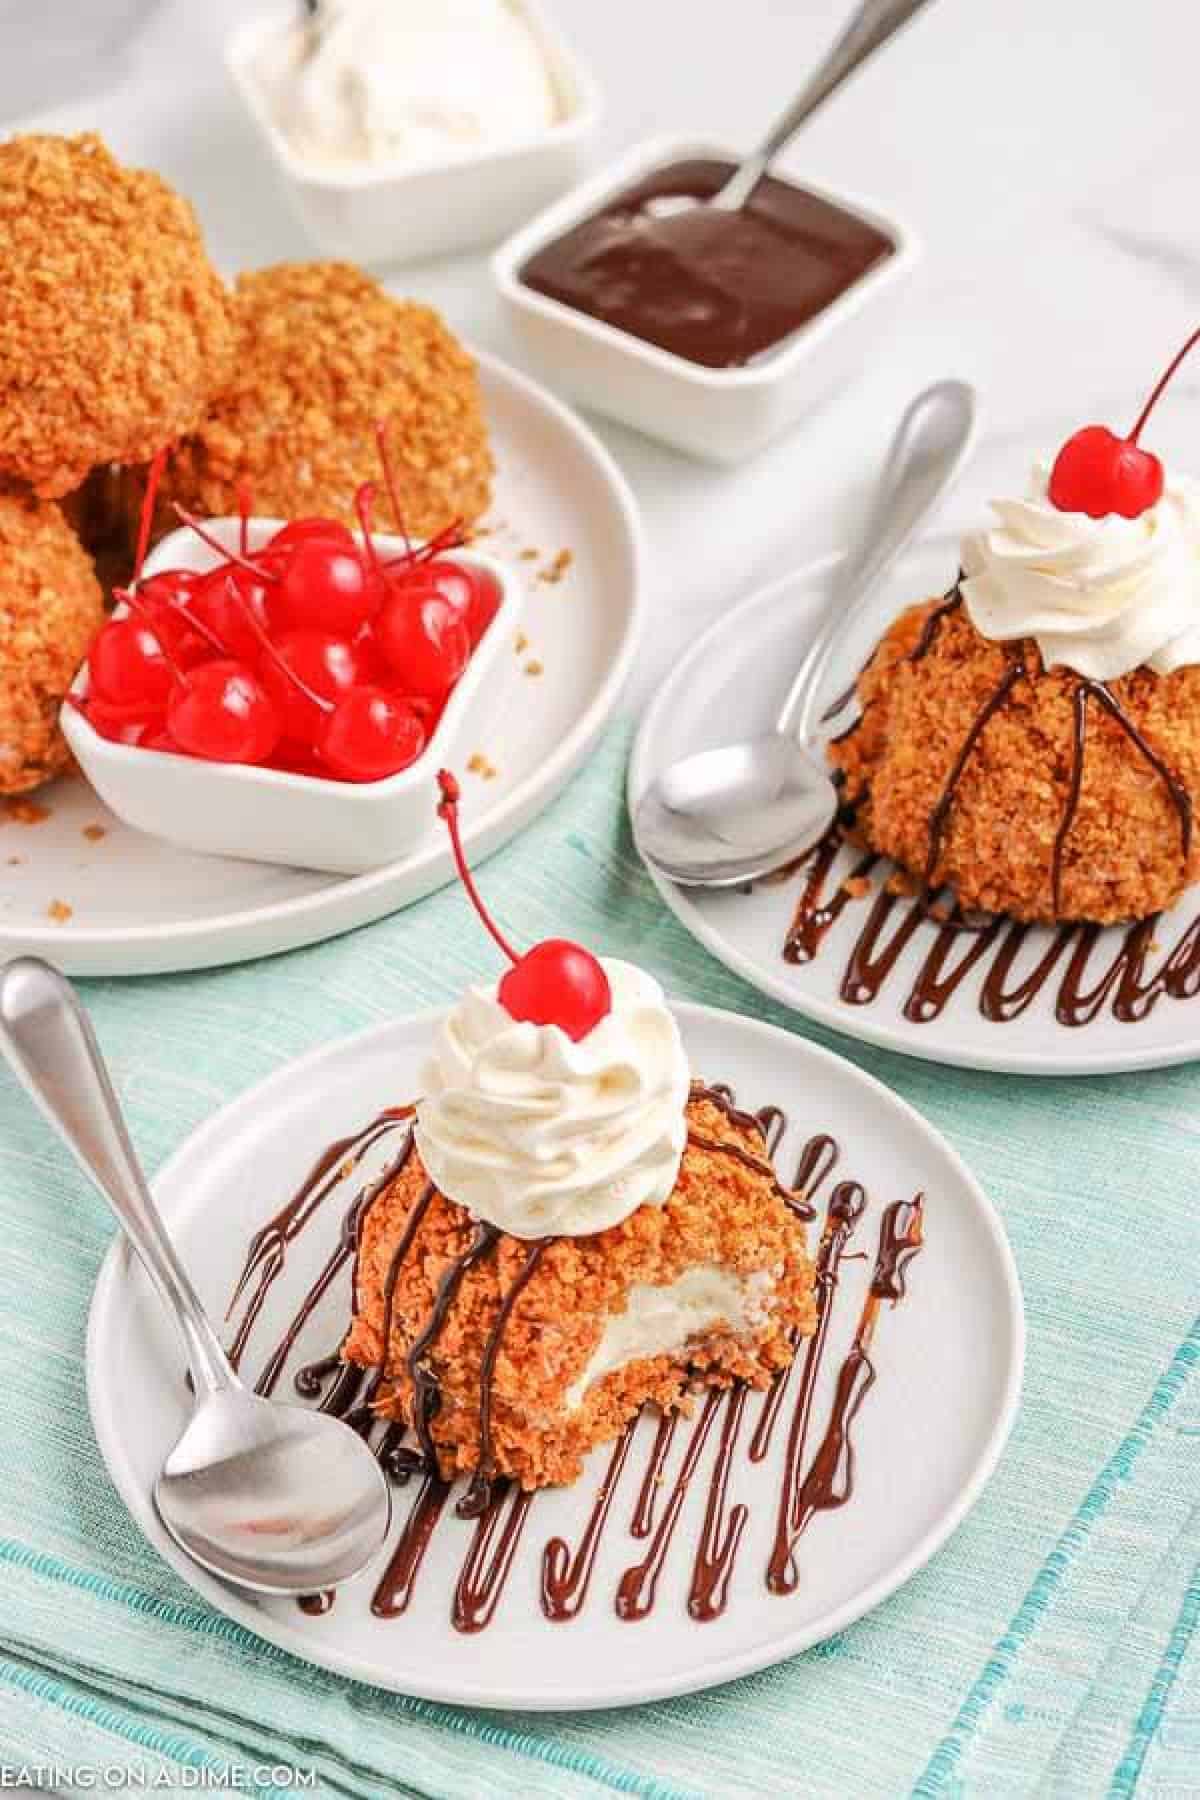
1044	154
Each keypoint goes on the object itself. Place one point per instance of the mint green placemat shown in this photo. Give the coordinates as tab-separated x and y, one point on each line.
1052	1647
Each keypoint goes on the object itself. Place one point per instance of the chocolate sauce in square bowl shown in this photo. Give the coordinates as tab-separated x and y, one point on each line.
717	288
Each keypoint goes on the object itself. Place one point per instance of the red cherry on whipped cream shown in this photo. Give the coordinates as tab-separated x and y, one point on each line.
555	983
1098	473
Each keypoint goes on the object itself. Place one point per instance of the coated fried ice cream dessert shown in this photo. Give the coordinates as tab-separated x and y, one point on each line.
326	359
1029	743
116	331
51	606
579	1228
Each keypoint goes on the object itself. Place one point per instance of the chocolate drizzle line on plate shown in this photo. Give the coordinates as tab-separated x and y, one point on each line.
485	1570
830	1479
638	1585
395	1587
889	928
846	1206
818	1159
498	1506
642	1523
721	1533
1125	982
566	1578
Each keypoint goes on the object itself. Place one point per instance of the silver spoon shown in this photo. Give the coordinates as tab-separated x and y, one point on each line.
273	1497
874	22
722	817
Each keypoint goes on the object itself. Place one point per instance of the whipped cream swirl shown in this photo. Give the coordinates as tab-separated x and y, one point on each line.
539	1135
1102	596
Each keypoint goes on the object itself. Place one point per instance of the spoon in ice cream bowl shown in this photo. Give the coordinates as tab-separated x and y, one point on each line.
274	1497
722	817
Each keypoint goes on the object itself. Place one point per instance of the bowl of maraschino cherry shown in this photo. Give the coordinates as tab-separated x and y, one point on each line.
283	690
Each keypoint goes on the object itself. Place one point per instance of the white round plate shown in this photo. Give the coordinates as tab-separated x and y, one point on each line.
731	685
948	1357
139	907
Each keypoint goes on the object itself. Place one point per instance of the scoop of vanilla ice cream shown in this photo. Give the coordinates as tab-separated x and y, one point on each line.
541	1135
1101	596
370	81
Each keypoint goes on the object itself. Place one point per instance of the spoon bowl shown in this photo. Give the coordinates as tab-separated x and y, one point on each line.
721	818
275	1498
272	1497
725	817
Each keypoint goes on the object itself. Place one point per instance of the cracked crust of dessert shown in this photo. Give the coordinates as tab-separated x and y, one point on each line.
324	355
116	330
51	606
1122	858
719	1212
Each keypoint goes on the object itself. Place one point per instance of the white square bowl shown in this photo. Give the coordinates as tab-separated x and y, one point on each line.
400	212
721	415
269	815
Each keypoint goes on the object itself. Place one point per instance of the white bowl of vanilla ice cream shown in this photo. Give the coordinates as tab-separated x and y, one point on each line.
410	128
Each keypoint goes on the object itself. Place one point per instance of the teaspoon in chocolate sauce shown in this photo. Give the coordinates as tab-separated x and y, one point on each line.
870	26
722	817
273	1497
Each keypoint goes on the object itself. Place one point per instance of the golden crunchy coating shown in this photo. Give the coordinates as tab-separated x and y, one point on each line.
50	607
115	330
720	1212
1122	858
324	355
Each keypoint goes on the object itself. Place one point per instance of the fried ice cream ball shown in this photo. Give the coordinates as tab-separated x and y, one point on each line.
115	330
51	606
1122	852
324	356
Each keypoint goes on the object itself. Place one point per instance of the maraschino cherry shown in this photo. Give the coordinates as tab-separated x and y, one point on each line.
363	732
555	983
222	713
1098	473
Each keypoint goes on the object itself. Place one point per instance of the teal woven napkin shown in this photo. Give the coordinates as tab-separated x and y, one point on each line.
1051	1647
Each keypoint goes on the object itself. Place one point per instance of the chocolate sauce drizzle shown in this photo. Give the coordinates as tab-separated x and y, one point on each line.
1125	982
642	1523
478	1496
422	1371
267	1251
960	944
499	1508
830	1479
638	1585
566	1578
487	1564
721	1532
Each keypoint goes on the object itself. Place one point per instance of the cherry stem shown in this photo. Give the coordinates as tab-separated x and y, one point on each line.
364	501
245	502
450	537
448	810
214	543
138	608
389	481
200	628
272	650
1161	383
153	480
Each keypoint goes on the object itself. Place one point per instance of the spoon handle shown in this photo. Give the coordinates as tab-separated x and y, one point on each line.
49	1041
871	25
931	443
